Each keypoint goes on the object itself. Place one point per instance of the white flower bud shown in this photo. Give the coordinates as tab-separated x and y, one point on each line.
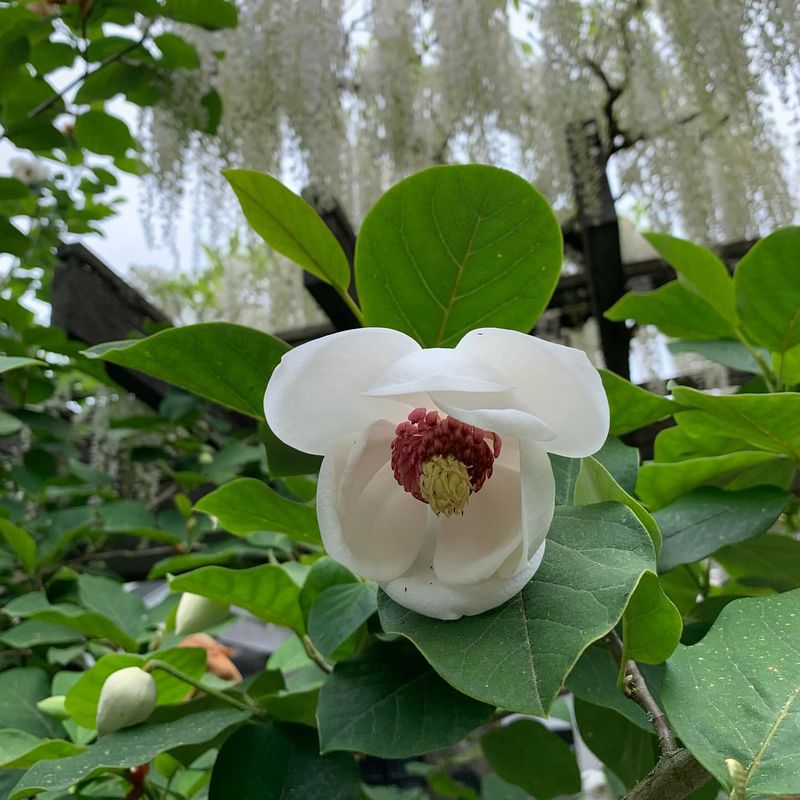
197	613
29	171
128	697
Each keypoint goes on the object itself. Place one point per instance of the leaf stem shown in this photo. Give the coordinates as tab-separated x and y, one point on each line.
351	304
155	664
759	359
314	654
636	689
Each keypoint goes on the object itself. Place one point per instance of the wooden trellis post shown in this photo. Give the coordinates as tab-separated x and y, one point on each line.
602	257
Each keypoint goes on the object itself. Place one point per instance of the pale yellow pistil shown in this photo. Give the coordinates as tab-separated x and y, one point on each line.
445	485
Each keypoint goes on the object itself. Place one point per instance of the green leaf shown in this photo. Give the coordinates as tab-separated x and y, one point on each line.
388	702
21	688
37	134
20	750
750	686
621	460
283	761
267	591
699	523
594	679
661	483
768	291
209	14
595	484
674	310
768	560
289	225
700	271
177	52
651	625
101	133
338	611
733	355
324	573
529	755
9	424
565	473
284	461
631	406
131	747
211	103
21	542
247	505
594	558
293	706
228	364
47	56
15	362
625	748
767	421
108	597
454	248
34	632
82	698
13	189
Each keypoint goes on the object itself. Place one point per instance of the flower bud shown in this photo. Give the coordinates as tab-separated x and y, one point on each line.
197	613
54	706
128	696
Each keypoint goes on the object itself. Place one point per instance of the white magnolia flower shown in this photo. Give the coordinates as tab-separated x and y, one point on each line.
29	171
436	481
196	613
128	697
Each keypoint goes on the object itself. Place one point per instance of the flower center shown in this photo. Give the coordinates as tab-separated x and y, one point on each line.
442	461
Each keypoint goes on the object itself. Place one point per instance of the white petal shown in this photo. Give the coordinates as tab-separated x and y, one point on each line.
557	384
472	546
436	369
315	395
367	521
421	591
538	495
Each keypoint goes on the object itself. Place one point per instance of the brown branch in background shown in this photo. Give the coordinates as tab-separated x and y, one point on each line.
636	689
675	777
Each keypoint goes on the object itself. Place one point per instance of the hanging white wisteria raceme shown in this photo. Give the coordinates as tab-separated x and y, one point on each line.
697	102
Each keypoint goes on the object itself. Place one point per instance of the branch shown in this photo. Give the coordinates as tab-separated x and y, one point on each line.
51	101
675	777
636	689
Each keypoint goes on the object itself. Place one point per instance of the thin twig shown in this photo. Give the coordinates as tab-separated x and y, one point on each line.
315	655
636	689
51	101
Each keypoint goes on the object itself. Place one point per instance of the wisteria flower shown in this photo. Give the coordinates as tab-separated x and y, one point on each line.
436	481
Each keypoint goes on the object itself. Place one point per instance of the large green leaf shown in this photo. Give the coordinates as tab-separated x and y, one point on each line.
228	364
527	754
290	225
388	702
745	674
733	355
209	14
621	460
631	406
699	523
283	762
768	290
34	632
700	271
21	542
15	362
766	421
20	750
324	573
248	505
268	591
338	611
594	558
108	597
82	698
130	747
595	484
662	483
594	679
455	248
768	560
21	688
651	625
674	310
628	750
101	133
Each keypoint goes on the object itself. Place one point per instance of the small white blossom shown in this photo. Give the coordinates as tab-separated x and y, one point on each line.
436	481
29	171
128	697
197	613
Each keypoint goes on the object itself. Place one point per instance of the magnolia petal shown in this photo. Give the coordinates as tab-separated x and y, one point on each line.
472	546
557	384
505	421
315	396
437	369
538	491
367	522
421	591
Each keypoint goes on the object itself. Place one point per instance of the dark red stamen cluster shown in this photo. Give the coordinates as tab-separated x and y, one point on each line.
426	434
